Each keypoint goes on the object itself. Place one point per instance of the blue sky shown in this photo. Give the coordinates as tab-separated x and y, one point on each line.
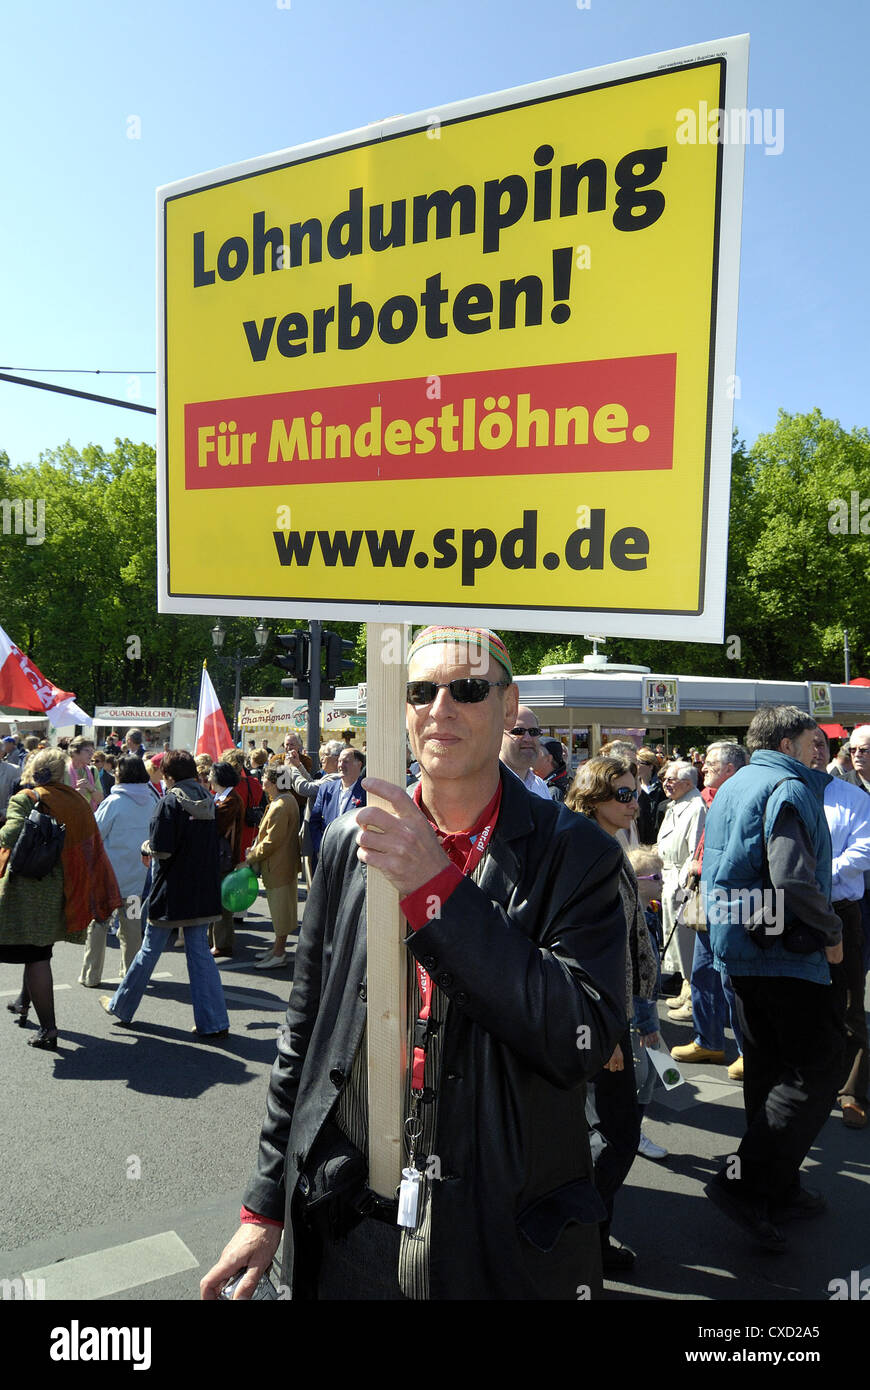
216	81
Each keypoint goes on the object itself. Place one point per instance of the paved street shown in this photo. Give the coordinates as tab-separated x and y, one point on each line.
689	1250
128	1152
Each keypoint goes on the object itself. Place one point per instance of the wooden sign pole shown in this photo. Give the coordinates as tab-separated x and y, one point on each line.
386	989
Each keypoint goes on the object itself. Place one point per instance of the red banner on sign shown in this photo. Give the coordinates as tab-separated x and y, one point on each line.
575	417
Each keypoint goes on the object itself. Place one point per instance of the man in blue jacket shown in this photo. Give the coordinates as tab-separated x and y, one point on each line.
334	798
767	885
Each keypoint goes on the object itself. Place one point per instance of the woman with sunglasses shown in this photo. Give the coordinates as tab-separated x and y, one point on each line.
604	789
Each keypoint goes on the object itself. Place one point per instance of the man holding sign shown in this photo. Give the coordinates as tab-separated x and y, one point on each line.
518	945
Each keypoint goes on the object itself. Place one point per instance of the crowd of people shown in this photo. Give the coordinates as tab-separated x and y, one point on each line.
540	910
162	831
732	882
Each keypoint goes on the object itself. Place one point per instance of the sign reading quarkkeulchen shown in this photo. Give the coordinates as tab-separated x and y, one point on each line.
466	365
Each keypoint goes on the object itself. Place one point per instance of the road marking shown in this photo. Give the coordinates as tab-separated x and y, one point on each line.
711	1269
120	1267
5	993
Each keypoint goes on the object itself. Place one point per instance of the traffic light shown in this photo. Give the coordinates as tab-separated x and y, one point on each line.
296	660
335	663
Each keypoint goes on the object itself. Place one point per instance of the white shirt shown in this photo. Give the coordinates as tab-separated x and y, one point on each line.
533	783
847	811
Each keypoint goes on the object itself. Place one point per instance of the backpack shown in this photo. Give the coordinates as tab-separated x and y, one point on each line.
39	846
254	814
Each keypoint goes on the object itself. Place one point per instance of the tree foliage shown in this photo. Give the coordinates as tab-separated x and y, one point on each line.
793	584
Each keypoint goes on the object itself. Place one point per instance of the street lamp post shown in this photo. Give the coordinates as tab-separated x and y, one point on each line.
261	637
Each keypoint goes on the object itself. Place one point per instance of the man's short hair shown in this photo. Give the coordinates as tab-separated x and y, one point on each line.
730	754
772	723
618	748
332	747
863	730
132	769
357	754
683	771
134	736
179	765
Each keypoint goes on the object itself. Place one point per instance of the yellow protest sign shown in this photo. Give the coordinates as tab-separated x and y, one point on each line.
466	365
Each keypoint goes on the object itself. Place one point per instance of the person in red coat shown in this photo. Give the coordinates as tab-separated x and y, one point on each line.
230	817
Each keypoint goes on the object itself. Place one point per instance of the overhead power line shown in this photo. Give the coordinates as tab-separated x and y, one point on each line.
79	371
84	395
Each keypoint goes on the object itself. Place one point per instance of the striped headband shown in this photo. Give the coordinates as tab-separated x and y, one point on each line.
479	637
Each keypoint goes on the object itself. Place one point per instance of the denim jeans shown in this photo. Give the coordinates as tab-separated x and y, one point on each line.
712	998
209	1008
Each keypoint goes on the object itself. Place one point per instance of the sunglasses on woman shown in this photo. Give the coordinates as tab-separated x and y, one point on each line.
467	690
624	795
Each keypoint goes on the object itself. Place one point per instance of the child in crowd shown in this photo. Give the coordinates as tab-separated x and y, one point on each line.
647	866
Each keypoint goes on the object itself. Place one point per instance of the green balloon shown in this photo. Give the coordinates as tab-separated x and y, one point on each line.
239	889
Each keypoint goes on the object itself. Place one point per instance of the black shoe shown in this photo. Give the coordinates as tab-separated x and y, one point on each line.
616	1257
805	1202
750	1213
672	983
46	1039
210	1037
20	1012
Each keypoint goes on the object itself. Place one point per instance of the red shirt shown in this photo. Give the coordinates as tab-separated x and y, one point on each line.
458	847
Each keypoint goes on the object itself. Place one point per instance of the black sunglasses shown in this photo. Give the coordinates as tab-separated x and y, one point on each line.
624	794
467	690
518	732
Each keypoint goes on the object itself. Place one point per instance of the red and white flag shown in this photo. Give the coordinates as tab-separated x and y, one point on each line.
212	731
23	686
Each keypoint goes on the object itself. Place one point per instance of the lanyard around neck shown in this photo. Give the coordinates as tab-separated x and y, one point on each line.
425	983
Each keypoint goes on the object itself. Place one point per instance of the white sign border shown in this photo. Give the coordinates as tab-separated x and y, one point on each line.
708	625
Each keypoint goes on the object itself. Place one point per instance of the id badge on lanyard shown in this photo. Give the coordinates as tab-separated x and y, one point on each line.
412	1177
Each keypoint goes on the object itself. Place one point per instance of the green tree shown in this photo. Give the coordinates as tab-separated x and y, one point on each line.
793	582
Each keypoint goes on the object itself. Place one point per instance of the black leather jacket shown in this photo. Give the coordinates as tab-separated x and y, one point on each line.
533	963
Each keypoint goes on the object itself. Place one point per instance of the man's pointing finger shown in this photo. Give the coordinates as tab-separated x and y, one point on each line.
395	796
